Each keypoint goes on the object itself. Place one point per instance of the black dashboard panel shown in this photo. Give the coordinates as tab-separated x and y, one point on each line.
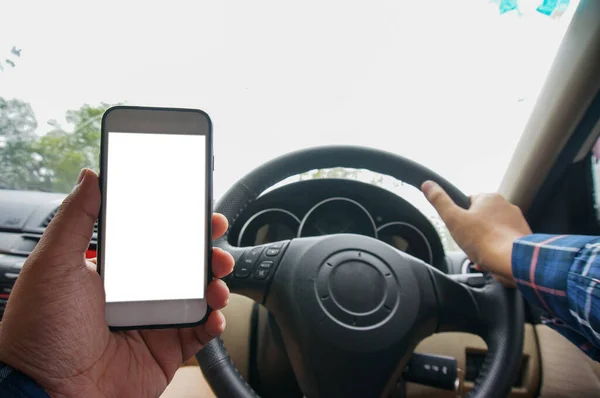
327	206
338	215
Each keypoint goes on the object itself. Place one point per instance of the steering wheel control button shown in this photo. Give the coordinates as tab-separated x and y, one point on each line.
261	273
259	262
272	252
246	265
357	289
242	271
277	245
265	265
251	256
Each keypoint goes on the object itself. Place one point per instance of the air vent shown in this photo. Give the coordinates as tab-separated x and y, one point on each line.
468	267
51	216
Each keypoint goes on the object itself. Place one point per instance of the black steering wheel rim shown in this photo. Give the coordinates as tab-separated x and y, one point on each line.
504	354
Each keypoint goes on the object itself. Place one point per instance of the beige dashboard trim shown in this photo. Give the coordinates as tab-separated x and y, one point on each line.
567	371
458	344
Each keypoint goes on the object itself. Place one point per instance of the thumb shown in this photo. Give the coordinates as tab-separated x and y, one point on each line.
440	200
71	228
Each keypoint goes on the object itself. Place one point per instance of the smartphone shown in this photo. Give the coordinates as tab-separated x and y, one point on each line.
154	228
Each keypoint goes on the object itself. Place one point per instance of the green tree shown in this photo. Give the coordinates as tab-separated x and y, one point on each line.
50	162
65	152
17	132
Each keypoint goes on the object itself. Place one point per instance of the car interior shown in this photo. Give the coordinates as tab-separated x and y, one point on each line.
285	337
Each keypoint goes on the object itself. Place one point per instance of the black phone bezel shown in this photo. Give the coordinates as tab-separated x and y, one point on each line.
209	205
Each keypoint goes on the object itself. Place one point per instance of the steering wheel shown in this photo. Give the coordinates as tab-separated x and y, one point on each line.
351	309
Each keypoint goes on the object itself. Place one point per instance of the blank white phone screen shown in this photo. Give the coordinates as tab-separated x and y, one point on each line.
154	231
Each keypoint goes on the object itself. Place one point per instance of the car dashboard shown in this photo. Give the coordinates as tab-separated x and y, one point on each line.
300	209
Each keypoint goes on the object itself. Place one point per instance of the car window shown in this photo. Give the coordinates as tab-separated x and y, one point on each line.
447	84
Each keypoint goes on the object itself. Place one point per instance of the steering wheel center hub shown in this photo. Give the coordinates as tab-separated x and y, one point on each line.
357	289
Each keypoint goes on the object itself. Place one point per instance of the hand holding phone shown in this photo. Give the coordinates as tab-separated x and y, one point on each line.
154	228
54	324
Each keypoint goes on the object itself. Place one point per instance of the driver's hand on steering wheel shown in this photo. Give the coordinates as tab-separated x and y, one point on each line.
54	330
485	232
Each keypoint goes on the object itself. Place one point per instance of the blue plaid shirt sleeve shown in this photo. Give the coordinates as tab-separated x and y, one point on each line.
14	384
561	275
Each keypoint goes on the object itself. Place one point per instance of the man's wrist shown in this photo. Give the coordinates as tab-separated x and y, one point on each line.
498	257
14	383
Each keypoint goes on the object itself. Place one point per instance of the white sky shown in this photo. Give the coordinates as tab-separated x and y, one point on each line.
436	81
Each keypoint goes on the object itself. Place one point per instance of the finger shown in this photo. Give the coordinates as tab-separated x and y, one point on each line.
217	294
166	345
475	197
219	225
72	227
440	200
91	263
193	339
222	263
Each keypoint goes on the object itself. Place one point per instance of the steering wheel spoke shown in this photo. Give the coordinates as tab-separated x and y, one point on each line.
473	304
254	269
463	304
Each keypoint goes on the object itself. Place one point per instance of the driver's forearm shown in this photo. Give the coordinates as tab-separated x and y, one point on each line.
561	275
16	384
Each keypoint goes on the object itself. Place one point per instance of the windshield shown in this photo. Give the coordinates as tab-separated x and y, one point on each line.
449	84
